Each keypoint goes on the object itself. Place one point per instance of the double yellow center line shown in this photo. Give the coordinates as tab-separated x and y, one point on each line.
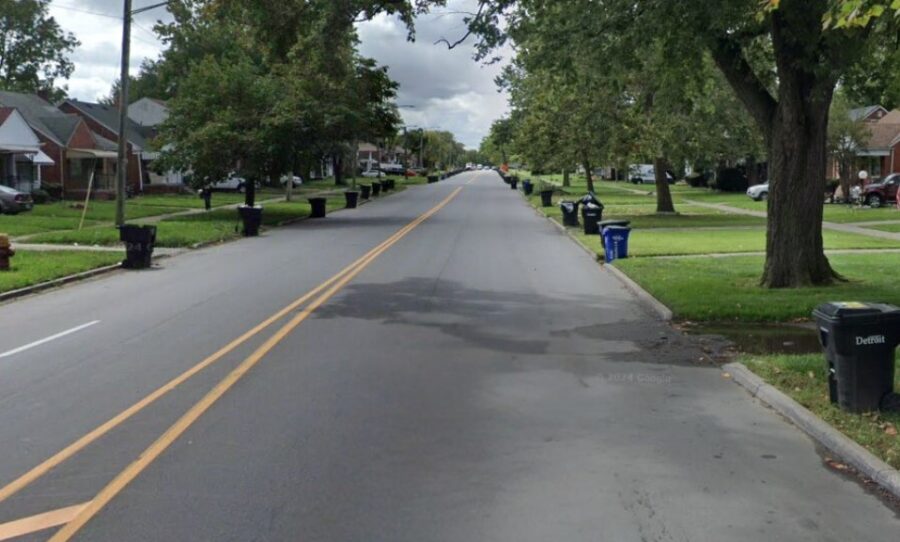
324	292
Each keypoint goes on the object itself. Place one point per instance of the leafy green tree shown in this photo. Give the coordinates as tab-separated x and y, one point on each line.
846	136
788	98
34	50
149	83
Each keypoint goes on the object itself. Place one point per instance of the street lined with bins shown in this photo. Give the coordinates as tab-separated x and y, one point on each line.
442	363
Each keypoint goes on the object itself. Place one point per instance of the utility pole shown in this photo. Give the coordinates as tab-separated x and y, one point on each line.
123	116
124	79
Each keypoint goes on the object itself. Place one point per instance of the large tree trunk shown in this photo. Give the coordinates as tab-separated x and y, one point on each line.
795	254
566	182
795	125
664	202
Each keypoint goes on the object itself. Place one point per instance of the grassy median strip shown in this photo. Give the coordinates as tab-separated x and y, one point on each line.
34	267
804	379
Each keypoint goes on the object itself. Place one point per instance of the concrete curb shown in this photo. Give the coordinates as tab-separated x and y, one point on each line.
832	439
654	305
664	312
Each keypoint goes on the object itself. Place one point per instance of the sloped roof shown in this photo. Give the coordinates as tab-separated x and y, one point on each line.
882	136
862	113
367	147
63	126
892	117
105	144
108	116
36	111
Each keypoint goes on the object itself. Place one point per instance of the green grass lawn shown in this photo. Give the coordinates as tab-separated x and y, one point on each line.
187	201
104	211
711	289
26	224
804	379
182	233
30	267
882	227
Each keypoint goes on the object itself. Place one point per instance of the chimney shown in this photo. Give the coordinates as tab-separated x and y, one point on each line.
44	94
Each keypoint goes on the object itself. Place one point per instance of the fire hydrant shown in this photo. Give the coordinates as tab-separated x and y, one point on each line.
6	252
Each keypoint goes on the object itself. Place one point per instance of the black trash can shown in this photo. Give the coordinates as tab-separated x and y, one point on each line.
376	188
252	218
432	179
859	341
546	198
591	215
527	187
391	183
352	198
139	242
385	185
365	191
569	213
318	207
514	182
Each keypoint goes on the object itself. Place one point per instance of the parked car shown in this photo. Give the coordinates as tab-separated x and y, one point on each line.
13	202
759	192
881	192
646	174
393	169
231	183
372	173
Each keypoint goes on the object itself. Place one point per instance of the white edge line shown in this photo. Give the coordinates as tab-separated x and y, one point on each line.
48	339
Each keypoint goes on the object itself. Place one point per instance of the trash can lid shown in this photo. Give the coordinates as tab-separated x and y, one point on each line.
854	310
607	223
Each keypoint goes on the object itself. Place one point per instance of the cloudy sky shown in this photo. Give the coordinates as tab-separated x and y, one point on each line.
447	89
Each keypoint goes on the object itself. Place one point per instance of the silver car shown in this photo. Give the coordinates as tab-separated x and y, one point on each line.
14	202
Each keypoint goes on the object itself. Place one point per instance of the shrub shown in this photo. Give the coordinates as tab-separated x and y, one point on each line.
54	191
40	196
697	180
731	180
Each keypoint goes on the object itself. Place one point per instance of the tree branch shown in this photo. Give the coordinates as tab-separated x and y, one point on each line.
748	87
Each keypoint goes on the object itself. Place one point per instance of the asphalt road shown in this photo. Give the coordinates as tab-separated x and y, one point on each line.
482	379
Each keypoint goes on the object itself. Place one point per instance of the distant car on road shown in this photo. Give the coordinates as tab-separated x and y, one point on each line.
759	192
13	202
372	173
881	192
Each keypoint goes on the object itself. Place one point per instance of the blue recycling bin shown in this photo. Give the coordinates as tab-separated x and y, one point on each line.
615	241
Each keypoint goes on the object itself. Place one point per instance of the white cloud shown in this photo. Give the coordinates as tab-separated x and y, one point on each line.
448	89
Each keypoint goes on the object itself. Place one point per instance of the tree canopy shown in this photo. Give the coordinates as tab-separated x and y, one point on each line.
34	50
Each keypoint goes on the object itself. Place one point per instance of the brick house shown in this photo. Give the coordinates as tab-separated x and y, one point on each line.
103	121
880	155
70	149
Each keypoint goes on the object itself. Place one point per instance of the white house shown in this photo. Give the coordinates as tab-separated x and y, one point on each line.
150	113
20	152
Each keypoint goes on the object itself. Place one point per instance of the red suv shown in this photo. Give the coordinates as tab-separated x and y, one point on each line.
884	191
